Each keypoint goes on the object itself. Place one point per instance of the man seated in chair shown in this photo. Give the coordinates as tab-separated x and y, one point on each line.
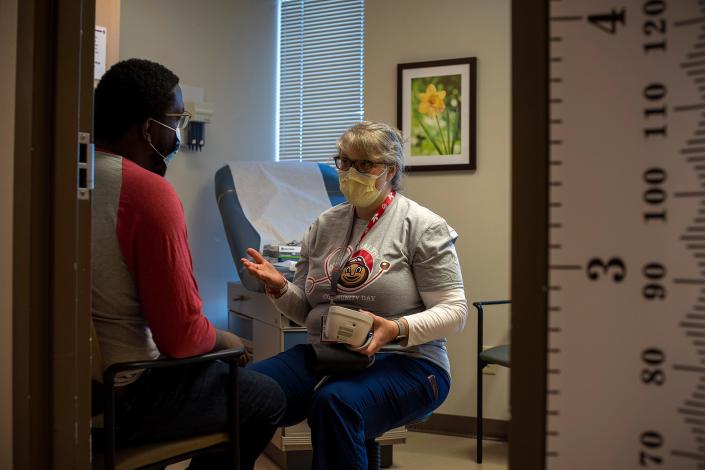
145	298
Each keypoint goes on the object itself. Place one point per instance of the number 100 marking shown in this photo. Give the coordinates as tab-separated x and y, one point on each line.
655	195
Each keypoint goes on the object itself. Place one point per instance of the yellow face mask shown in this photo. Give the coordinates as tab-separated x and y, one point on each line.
360	189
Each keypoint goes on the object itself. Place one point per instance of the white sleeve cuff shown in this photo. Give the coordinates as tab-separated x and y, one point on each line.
292	303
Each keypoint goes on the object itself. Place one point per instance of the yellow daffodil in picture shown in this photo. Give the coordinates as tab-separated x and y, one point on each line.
435	104
433	101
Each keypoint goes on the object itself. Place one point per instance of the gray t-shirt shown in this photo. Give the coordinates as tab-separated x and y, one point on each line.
409	250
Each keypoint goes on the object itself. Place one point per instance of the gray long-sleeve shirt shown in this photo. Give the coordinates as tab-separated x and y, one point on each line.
406	266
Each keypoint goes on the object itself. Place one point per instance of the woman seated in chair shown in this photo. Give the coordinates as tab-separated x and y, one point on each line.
386	255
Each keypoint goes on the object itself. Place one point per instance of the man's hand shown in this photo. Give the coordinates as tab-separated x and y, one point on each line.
384	332
226	340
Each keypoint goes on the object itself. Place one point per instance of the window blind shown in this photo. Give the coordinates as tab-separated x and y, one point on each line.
321	83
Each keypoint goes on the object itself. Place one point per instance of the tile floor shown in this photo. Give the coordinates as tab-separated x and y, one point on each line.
428	452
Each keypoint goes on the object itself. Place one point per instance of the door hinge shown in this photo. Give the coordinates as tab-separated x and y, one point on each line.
85	165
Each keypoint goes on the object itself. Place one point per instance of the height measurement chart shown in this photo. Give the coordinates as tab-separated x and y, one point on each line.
626	352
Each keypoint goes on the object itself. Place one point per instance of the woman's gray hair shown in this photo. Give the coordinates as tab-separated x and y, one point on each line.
379	142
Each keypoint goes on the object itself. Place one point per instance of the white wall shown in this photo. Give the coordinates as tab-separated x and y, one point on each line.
228	48
476	204
8	51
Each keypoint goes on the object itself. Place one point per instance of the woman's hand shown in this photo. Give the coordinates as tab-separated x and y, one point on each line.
384	332
263	270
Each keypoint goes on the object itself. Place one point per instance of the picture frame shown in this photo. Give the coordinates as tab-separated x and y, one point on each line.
436	112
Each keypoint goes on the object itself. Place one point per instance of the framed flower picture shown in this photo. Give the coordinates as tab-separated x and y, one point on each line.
436	112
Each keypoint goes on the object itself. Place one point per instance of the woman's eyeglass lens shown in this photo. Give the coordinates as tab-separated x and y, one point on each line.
363	166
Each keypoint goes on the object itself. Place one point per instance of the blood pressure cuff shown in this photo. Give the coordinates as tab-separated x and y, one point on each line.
328	359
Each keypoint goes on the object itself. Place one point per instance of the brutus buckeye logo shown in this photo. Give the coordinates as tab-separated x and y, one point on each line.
357	269
357	274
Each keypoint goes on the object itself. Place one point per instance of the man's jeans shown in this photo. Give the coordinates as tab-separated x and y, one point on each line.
166	404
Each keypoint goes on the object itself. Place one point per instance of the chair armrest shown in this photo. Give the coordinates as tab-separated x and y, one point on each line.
479	305
114	369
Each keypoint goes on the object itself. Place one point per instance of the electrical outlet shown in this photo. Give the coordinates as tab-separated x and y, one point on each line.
489	369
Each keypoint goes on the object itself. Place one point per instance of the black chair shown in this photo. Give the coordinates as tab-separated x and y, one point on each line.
159	454
499	355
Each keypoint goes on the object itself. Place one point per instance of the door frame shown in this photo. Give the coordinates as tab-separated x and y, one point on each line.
51	236
530	170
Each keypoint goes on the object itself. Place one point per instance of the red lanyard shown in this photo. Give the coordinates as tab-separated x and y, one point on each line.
338	267
380	212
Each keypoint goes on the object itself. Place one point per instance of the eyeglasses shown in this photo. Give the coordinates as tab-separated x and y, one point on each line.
363	166
183	120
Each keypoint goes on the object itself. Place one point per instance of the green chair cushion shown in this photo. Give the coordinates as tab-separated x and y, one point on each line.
497	355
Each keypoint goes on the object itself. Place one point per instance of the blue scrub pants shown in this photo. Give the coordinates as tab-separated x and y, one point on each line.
349	408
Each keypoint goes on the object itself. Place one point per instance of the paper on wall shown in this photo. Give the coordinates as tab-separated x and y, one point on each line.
99	56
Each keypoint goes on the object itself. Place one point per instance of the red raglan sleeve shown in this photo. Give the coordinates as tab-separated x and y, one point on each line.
152	234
